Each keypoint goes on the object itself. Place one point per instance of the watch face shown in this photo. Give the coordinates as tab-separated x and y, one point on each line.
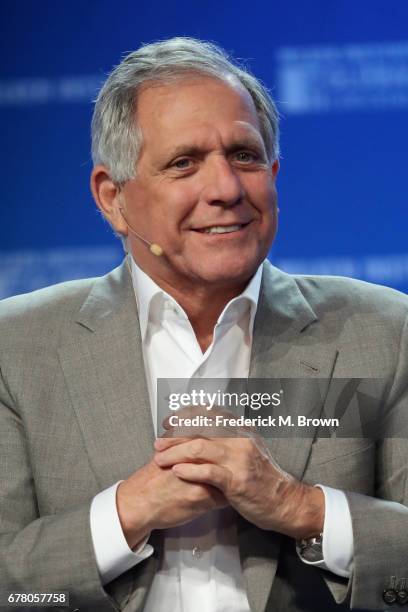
311	550
316	541
390	596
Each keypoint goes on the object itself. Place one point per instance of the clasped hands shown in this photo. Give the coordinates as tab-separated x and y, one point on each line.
242	468
189	476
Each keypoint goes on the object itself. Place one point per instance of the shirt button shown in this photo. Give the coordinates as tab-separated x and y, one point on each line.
197	552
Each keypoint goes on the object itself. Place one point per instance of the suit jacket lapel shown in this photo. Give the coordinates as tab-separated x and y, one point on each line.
104	371
289	344
282	349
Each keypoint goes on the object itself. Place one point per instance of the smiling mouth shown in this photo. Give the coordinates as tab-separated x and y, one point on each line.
222	229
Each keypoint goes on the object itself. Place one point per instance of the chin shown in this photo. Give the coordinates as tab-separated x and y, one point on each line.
237	271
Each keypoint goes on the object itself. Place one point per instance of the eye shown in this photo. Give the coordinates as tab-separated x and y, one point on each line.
246	157
183	163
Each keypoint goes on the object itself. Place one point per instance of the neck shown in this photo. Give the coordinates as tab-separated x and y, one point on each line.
203	303
203	306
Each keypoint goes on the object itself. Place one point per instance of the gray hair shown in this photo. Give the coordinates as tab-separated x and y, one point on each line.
116	137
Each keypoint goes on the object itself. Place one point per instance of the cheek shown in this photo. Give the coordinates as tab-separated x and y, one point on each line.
263	197
264	200
174	206
260	190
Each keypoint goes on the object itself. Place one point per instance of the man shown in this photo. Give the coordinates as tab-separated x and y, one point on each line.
185	148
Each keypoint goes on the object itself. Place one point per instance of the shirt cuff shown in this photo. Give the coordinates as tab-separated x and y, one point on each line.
338	542
112	553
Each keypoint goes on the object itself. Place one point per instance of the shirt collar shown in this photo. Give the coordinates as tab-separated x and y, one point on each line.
238	304
147	292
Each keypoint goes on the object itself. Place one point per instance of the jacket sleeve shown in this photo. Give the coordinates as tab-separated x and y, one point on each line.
380	522
380	525
40	553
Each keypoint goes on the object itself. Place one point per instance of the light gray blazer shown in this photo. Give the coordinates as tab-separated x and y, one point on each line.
75	418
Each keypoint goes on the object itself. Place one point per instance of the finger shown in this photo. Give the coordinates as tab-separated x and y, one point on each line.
198	450
162	443
206	473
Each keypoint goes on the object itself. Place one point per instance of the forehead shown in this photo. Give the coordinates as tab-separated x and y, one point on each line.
197	107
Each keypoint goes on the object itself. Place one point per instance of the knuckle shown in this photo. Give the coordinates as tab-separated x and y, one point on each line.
223	453
239	485
209	472
197	448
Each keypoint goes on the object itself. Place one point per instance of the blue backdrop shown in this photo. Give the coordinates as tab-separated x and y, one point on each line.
338	69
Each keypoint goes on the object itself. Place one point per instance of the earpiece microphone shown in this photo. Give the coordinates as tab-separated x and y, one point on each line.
153	247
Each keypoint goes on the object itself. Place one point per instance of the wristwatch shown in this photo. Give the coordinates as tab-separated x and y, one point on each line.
311	549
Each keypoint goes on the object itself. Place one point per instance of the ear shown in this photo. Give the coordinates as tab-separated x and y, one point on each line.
275	168
108	198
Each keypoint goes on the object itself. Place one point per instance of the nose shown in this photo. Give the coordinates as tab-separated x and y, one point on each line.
223	185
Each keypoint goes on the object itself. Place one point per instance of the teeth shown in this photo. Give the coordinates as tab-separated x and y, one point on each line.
219	229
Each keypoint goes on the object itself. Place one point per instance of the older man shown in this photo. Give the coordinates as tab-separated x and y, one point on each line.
185	148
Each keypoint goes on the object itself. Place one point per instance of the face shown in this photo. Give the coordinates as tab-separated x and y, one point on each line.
204	188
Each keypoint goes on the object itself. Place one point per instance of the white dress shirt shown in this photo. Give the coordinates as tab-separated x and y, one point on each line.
201	566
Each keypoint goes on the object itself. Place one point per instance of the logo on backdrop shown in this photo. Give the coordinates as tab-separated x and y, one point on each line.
343	77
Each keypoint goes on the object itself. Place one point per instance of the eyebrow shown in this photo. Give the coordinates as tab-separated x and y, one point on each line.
197	151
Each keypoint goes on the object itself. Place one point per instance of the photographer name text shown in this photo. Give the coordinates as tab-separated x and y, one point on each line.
258	421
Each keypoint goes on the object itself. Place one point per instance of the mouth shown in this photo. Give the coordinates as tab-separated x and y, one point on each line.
221	229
